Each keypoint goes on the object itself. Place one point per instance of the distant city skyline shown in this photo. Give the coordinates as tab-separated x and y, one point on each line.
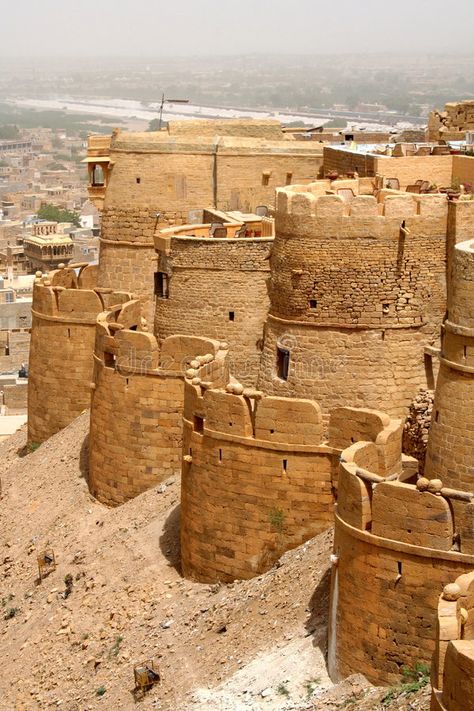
212	27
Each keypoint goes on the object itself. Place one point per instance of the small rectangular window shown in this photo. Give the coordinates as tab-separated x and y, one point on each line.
313	304
266	178
283	362
285	465
139	180
109	360
161	285
231	316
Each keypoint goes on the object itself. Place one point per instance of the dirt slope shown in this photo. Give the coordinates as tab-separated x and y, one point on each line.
251	645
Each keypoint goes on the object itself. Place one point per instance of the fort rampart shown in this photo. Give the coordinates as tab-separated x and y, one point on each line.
215	287
65	308
259	475
395	546
154	180
137	400
357	293
452	671
451	443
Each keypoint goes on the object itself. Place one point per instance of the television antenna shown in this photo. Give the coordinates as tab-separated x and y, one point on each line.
169	101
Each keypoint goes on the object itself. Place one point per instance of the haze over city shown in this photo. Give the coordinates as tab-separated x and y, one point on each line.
212	27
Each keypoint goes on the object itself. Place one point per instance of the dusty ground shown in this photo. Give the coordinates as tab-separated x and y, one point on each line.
251	645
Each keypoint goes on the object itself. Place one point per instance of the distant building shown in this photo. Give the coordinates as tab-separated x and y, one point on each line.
45	249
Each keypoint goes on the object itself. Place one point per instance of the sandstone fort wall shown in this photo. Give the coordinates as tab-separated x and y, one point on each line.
65	309
452	671
217	288
357	291
452	427
152	173
259	477
394	548
137	398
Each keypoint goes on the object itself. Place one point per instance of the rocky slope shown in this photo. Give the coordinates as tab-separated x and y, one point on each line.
255	644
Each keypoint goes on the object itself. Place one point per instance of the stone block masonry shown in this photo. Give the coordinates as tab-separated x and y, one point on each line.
154	180
217	288
394	548
137	399
451	442
65	308
259	477
357	292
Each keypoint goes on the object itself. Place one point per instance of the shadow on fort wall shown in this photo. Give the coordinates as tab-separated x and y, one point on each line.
84	458
317	622
170	543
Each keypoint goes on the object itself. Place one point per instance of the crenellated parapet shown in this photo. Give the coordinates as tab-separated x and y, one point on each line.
215	286
260	475
452	670
395	543
357	293
65	306
137	399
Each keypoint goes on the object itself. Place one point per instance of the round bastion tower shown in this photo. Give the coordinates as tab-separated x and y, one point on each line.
147	187
451	442
217	287
154	180
357	292
408	538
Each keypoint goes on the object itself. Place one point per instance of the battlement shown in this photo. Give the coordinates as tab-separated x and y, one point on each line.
137	399
260	475
396	534
66	296
123	342
452	670
256	230
354	211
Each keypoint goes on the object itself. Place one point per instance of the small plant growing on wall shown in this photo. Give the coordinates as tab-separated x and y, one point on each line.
277	519
413	679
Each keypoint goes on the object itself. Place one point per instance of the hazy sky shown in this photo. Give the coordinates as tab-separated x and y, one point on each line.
187	27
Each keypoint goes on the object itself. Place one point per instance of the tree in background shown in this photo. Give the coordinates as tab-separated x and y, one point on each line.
55	214
9	132
154	125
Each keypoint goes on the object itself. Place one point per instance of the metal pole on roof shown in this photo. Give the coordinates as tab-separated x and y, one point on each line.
169	101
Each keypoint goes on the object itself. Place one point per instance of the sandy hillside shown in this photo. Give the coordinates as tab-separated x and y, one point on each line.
251	645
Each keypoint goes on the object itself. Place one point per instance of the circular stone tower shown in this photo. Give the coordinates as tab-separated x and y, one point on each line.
451	442
148	185
357	292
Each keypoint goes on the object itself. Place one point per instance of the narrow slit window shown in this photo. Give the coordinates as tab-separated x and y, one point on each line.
162	289
285	465
220	455
283	362
437	416
231	315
